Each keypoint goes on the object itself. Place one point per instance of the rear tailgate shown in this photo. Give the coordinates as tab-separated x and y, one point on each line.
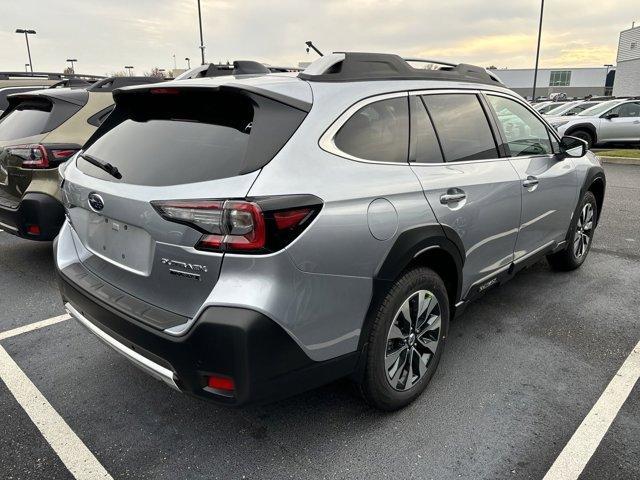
27	121
168	144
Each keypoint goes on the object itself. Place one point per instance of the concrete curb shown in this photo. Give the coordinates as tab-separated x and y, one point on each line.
621	160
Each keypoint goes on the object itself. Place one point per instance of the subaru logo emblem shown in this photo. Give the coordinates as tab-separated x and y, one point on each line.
95	202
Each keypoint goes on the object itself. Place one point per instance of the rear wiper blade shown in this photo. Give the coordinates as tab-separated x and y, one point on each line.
107	167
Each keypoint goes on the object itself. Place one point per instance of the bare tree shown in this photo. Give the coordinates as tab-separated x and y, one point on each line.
155	72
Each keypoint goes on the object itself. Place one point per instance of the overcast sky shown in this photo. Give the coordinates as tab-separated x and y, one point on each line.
105	35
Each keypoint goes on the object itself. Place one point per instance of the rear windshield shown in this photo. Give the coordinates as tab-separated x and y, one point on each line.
26	120
189	136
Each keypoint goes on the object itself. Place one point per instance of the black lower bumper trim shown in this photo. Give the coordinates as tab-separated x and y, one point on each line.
35	209
264	361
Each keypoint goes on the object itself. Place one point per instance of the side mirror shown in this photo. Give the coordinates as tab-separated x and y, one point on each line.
573	147
609	116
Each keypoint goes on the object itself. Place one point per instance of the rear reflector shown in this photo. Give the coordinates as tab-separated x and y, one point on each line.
33	229
221	383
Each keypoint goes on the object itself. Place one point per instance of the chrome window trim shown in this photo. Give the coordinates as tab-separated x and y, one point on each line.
327	140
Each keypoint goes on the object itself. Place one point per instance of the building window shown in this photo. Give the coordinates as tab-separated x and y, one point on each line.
560	78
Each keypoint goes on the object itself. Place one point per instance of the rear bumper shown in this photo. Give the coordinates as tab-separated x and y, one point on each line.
264	361
35	209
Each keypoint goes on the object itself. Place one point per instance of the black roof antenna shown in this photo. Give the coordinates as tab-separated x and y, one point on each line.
310	44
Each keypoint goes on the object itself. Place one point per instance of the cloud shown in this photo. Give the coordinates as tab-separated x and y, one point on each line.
105	36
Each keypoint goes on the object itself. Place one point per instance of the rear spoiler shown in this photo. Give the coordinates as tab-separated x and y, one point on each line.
226	87
76	96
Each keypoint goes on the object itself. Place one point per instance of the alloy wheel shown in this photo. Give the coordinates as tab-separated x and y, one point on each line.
584	231
412	340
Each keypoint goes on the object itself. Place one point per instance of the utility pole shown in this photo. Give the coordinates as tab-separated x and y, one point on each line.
535	72
72	61
201	40
27	32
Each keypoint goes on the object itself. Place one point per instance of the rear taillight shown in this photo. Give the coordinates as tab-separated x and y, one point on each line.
39	156
240	225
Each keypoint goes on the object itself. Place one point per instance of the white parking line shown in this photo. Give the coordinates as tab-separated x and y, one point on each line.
74	454
34	326
584	442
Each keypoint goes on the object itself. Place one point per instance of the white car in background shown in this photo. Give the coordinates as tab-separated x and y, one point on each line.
568	109
611	121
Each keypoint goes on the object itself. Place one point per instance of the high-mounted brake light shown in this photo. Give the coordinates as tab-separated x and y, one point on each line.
240	225
164	91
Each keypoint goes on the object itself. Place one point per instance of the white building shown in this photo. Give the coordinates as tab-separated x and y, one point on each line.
628	70
575	82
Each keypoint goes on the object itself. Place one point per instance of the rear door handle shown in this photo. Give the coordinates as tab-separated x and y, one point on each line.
530	182
448	198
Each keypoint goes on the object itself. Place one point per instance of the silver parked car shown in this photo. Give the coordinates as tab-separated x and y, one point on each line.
247	238
611	121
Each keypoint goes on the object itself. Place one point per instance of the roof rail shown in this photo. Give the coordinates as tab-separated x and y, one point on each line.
111	83
48	75
239	67
358	66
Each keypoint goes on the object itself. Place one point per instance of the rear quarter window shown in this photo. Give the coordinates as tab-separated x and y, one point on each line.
377	132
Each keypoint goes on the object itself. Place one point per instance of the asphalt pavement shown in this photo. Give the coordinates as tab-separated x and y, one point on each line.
524	365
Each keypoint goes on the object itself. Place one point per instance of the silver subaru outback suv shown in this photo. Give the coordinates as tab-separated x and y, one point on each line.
245	238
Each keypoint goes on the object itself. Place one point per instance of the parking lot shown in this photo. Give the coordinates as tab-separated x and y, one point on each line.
523	367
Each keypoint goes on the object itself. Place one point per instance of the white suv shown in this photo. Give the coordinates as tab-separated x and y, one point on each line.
612	121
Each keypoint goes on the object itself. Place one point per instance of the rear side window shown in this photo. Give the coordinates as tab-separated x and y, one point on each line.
378	132
190	136
424	143
26	120
462	127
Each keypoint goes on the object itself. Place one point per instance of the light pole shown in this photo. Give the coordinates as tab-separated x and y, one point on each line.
129	68
201	40
72	61
535	72
27	32
188	63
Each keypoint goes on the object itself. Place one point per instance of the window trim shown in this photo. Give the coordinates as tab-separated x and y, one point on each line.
327	139
327	144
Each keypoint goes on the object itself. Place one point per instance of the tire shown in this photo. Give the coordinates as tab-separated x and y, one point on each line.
580	236
583	135
386	366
